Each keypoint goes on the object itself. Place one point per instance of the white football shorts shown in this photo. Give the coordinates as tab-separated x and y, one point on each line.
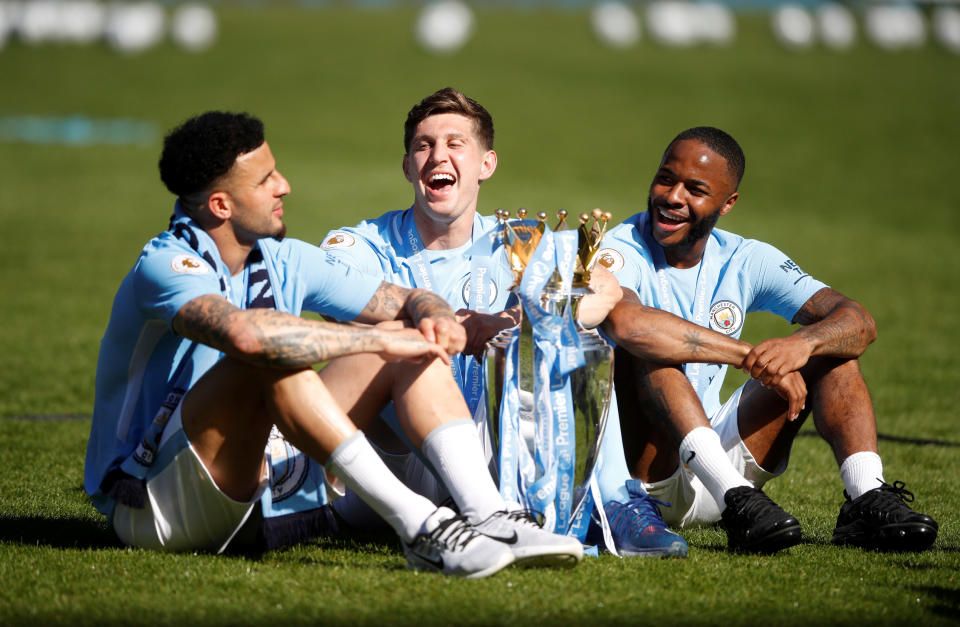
691	505
184	509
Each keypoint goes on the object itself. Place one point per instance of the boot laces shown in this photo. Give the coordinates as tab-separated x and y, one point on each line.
453	533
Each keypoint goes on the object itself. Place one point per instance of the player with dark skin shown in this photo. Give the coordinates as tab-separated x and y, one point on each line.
694	184
814	369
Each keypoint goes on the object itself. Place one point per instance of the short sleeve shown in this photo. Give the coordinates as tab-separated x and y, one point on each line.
352	249
780	285
334	288
167	278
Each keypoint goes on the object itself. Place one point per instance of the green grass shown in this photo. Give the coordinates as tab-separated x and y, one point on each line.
850	158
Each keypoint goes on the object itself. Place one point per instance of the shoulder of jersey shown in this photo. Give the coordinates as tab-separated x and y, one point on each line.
339	239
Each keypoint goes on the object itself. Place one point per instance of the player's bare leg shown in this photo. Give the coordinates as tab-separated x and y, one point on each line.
671	428
658	407
425	394
875	514
228	415
435	418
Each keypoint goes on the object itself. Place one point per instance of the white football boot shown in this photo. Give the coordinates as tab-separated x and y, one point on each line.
450	545
531	544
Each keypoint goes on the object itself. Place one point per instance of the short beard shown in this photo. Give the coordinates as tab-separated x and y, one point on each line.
698	229
253	236
702	228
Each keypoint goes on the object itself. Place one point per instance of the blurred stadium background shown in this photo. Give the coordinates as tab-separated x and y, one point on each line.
446	25
848	113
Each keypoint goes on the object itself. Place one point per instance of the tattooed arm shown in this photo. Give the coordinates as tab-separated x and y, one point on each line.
427	311
270	338
833	325
661	337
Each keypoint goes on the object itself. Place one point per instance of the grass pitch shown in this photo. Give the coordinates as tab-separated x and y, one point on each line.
849	163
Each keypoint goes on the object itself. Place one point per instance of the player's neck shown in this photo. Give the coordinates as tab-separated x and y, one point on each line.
233	252
437	235
685	256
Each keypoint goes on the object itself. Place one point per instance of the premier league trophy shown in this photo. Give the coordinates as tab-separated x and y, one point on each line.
548	379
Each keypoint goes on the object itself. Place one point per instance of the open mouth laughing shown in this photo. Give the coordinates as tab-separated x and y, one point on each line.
441	181
671	220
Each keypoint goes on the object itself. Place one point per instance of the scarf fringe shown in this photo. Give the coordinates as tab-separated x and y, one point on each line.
280	531
125	489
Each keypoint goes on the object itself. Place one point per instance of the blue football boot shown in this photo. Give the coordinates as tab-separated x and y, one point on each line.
638	529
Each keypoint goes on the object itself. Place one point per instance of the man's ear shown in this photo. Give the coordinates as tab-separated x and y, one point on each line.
220	205
406	173
488	166
729	203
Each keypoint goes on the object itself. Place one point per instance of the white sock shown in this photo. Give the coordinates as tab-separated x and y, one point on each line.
861	472
359	467
456	453
702	451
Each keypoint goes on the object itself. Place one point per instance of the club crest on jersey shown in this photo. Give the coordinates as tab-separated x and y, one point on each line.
189	264
610	258
726	317
288	467
491	291
338	239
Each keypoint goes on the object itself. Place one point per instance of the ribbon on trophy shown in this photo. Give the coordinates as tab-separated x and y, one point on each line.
537	430
556	353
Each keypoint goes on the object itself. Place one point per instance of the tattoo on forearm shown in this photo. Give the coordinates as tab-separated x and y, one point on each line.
423	304
296	343
386	302
693	342
836	337
266	337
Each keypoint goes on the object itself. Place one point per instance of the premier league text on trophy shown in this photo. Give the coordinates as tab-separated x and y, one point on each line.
549	381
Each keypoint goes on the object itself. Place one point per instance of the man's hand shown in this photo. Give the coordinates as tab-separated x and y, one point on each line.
792	389
428	312
407	344
771	360
482	327
444	331
606	294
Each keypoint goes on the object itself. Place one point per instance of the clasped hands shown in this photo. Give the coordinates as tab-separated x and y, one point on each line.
775	364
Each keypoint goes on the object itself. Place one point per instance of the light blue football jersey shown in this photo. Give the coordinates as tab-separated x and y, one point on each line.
736	276
141	357
387	245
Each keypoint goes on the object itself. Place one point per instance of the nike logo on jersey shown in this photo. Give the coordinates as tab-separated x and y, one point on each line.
690	457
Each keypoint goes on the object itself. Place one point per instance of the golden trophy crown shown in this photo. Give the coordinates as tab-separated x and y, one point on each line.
521	237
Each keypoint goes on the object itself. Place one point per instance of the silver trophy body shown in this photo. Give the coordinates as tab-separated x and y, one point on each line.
591	387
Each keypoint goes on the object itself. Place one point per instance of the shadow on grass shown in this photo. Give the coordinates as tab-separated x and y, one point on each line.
899	439
947	602
60	533
336	549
